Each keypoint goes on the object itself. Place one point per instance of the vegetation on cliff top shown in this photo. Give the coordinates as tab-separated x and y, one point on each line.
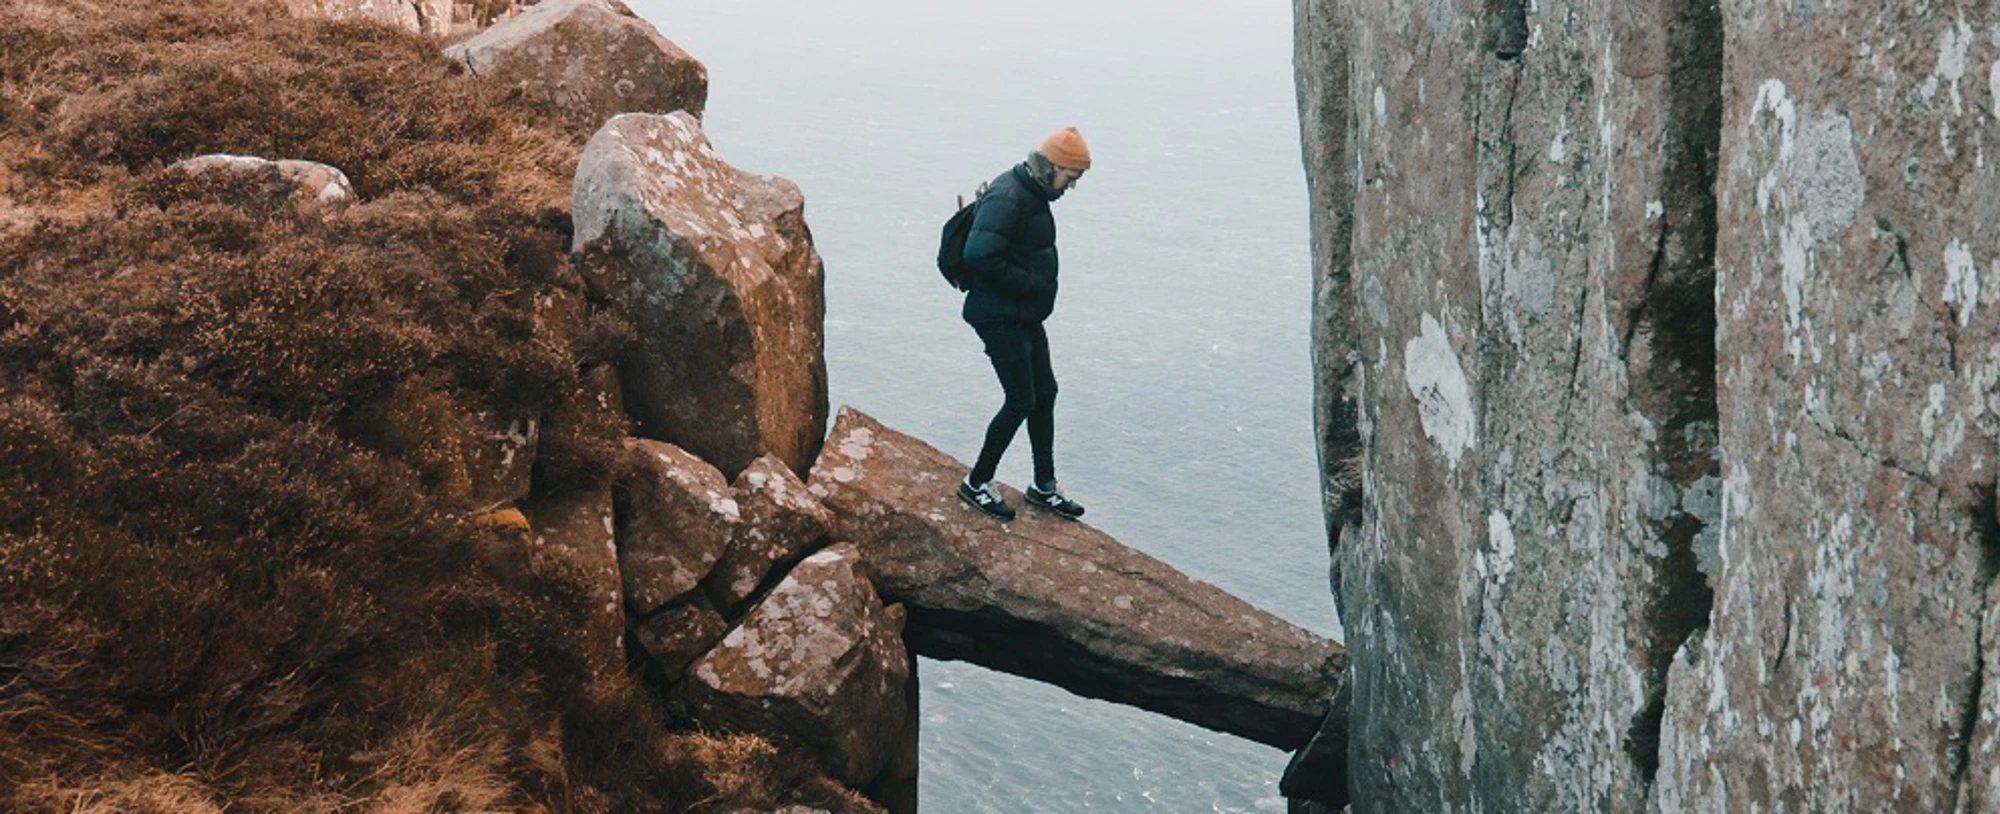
236	568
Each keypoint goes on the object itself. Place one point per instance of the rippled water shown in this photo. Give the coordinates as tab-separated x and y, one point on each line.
1180	337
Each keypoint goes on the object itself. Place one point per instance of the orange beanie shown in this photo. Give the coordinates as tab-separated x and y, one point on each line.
1065	149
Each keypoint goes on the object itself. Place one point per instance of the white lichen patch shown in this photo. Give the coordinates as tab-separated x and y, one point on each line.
1775	99
1961	281
1500	531
724	505
1954	44
1795	261
857	444
1437	382
1993	84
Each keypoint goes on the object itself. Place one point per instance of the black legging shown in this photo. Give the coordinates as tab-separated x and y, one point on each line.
1020	355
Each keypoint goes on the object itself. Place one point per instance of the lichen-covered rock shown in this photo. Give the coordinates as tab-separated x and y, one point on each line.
819	661
676	517
724	286
1059	601
315	184
572	541
585	61
1523	325
781	519
1848	665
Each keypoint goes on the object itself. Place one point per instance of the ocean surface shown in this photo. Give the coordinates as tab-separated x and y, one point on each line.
1180	339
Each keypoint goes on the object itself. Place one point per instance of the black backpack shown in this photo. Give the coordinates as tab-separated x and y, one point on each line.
951	245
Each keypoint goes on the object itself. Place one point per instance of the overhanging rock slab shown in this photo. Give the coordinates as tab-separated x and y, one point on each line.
1062	602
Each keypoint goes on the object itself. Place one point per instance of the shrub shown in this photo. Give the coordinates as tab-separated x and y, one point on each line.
235	564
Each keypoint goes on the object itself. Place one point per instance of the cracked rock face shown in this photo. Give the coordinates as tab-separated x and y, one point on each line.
1676	399
584	61
725	289
1526	225
1848	664
821	661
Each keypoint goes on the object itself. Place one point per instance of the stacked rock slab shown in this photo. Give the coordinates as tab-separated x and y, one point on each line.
724	286
1523	326
1058	601
1660	513
584	61
820	661
1849	664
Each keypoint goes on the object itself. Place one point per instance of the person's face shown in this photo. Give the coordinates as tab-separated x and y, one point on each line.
1066	178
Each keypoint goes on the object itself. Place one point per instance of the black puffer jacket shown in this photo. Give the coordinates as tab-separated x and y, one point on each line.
1012	252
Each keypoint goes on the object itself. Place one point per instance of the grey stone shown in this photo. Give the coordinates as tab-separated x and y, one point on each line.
315	184
1059	601
727	293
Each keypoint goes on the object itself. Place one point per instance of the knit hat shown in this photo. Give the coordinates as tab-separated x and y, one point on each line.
1065	149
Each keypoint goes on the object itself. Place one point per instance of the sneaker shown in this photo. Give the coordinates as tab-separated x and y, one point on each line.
986	499
1054	500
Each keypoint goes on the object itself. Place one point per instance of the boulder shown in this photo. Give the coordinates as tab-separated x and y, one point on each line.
675	519
573	543
724	286
1062	602
584	61
820	661
314	184
781	520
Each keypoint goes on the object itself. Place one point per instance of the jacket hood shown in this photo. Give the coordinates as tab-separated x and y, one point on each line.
1038	173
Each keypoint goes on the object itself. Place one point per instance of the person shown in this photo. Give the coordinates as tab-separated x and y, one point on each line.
1011	253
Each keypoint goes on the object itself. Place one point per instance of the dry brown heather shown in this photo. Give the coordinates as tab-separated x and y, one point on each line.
233	572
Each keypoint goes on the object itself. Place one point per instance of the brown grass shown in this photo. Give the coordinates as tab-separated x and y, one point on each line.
237	566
